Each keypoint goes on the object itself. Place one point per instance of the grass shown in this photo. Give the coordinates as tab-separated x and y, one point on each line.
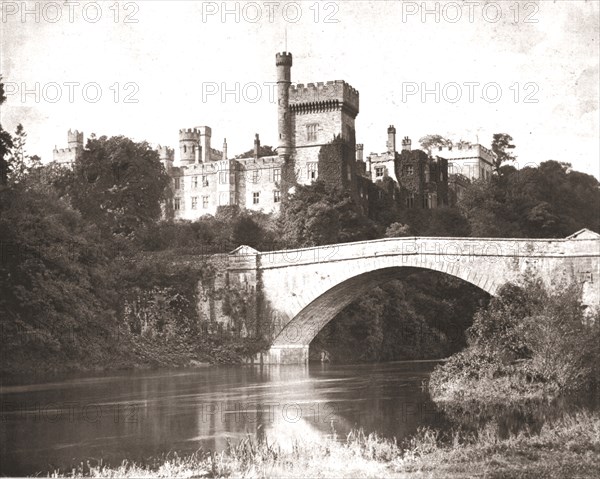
566	447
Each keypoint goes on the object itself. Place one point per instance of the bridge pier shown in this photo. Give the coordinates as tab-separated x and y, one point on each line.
287	354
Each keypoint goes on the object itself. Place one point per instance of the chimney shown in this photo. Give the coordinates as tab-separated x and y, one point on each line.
391	143
368	163
256	145
224	148
406	144
359	152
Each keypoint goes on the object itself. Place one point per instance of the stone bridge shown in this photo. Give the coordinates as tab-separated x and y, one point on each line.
299	291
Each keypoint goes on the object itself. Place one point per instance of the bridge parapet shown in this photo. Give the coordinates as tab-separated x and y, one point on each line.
443	249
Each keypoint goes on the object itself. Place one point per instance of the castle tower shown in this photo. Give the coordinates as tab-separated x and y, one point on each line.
204	140
68	156
283	61
189	142
391	142
75	139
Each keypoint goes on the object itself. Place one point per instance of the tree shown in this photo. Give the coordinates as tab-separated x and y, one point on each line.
317	214
397	230
21	164
119	184
263	150
429	142
502	146
550	200
6	143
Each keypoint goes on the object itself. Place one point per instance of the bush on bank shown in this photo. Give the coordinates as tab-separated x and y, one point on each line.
529	343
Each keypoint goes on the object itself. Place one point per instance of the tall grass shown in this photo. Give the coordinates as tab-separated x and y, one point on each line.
563	448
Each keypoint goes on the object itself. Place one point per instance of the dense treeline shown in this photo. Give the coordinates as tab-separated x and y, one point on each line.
86	259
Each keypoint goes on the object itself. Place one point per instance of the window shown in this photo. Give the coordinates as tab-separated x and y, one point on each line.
194	202
312	170
410	200
276	175
194	182
379	170
431	200
223	177
311	132
177	204
177	183
276	196
232	198
410	170
482	173
204	180
256	197
349	173
255	176
205	202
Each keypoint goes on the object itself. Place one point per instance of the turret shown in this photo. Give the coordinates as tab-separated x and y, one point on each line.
359	152
166	155
189	140
391	143
406	144
256	146
75	139
283	61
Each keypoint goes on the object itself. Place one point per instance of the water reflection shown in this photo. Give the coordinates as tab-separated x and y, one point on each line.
139	415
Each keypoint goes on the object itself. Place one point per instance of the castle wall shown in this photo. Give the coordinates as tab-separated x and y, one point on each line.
262	176
66	156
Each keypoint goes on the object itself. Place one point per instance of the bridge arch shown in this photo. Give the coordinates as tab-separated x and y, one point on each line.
316	308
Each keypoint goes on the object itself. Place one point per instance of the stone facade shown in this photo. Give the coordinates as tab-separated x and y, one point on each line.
422	180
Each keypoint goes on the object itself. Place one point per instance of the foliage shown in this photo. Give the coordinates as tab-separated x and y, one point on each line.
397	230
57	295
6	144
566	447
263	150
428	142
318	215
545	201
119	184
502	146
401	319
529	342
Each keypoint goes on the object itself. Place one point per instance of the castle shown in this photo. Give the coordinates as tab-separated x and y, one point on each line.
310	117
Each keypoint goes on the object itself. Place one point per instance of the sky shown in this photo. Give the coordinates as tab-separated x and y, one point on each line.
465	70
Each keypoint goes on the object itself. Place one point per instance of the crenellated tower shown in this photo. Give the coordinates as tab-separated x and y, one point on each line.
167	157
75	139
68	156
189	143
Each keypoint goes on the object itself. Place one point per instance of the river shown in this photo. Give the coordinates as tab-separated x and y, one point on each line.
64	421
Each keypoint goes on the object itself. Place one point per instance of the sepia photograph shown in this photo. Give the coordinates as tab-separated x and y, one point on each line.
300	239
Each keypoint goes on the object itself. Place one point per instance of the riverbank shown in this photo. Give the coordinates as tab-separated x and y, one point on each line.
567	447
134	352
